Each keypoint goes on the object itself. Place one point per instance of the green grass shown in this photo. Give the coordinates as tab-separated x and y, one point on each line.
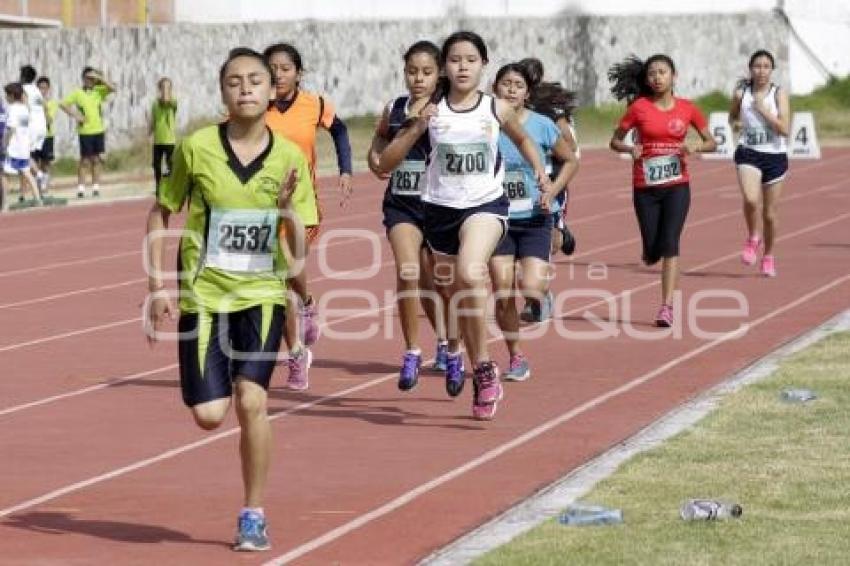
788	465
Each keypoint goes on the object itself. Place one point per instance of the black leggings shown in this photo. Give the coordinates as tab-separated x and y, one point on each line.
661	213
160	151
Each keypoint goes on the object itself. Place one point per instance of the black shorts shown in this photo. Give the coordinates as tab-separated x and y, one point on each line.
773	166
661	214
92	145
402	210
443	223
46	151
215	348
527	238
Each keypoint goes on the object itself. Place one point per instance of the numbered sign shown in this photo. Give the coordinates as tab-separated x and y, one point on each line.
718	124
803	142
630	138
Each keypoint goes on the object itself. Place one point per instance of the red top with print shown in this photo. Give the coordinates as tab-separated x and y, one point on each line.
661	132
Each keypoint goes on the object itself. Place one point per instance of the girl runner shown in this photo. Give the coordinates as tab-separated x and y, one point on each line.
557	103
163	128
237	179
296	115
464	205
529	237
762	113
403	212
17	144
662	193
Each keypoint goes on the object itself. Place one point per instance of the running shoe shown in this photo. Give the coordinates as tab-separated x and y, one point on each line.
299	366
487	391
664	318
538	311
309	314
768	266
81	193
251	532
95	193
409	374
441	356
454	374
568	241
751	247
518	370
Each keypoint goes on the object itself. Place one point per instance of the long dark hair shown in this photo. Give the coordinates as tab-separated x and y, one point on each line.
514	68
628	78
745	82
426	47
548	98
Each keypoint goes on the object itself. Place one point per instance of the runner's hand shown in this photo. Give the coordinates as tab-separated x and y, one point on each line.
345	189
160	310
430	111
374	160
546	191
287	187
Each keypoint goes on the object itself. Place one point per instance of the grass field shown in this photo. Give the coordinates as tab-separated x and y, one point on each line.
788	465
830	104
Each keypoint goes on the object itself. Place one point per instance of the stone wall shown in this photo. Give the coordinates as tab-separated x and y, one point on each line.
358	64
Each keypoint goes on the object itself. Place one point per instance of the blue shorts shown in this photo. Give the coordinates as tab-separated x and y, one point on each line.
13	165
443	223
528	238
773	166
402	210
215	348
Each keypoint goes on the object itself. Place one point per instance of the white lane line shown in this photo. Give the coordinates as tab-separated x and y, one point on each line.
109	383
532	434
224	434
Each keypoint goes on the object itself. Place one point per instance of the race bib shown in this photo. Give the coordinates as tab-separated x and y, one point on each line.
457	159
406	178
518	192
242	240
662	169
758	136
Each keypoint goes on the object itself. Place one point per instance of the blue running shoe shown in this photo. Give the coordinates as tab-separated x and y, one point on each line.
252	535
519	370
454	374
440	357
409	374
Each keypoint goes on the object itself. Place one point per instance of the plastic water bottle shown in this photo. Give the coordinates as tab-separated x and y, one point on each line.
578	515
709	510
798	395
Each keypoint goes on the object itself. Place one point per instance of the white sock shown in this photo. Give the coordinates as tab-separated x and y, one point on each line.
95	187
256	510
81	188
416	351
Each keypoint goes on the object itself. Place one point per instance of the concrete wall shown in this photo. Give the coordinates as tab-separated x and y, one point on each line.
358	64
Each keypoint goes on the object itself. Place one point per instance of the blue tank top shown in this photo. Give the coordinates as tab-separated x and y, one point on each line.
520	183
408	179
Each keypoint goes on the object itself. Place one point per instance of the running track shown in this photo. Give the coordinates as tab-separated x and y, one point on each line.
101	463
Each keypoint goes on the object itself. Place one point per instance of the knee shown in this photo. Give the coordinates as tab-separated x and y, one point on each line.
472	275
251	401
208	417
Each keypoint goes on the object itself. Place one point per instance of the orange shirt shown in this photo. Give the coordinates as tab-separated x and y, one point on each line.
300	120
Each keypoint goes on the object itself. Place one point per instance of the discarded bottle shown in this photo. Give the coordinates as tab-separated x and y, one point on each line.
709	510
798	395
579	514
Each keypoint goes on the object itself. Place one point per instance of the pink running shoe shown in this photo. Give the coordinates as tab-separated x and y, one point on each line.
664	318
299	366
751	247
309	314
768	266
487	391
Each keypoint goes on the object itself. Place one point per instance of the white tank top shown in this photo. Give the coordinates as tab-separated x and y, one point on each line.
465	168
756	133
38	120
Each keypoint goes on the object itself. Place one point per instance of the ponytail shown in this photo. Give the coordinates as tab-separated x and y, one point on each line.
553	101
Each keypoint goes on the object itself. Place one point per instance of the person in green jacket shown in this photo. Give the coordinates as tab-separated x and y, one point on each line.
85	106
163	127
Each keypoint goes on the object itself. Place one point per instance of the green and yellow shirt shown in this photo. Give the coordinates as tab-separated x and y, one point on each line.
230	257
164	116
50	108
89	102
